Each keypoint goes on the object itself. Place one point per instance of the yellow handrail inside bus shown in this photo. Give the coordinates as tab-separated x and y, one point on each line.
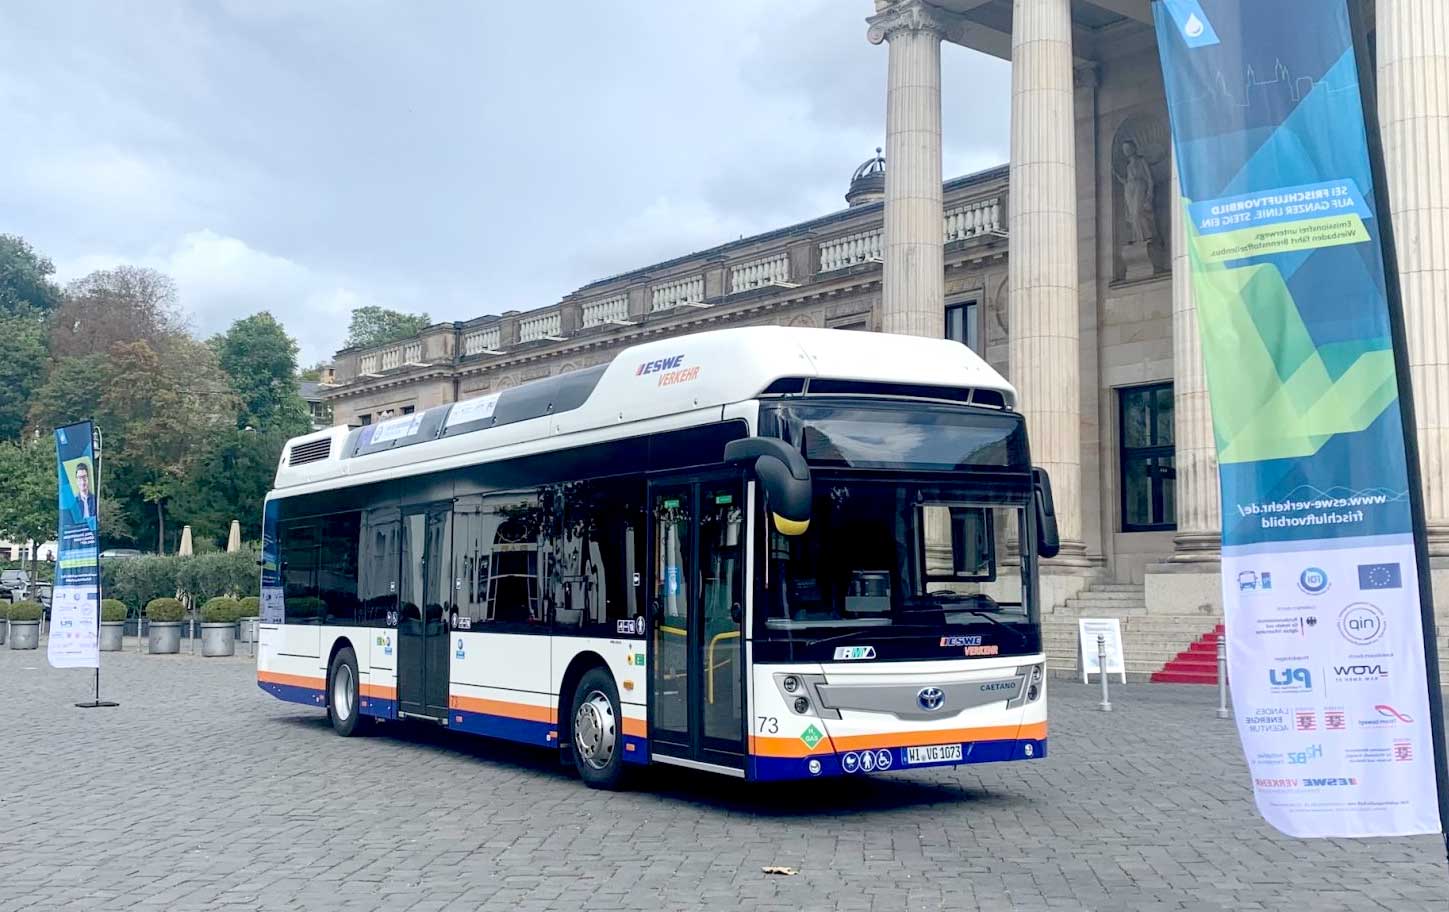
709	657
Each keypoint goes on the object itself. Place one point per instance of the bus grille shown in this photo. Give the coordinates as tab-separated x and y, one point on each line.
310	451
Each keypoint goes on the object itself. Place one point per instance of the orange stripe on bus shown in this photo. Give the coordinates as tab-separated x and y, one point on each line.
272	677
381	691
794	747
503	708
636	728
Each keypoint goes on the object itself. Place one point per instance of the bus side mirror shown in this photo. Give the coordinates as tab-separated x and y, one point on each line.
1048	543
783	473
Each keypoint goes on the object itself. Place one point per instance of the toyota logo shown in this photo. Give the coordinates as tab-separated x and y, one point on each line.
931	698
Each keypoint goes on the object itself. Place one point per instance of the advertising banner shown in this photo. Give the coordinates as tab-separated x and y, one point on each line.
1320	583
76	595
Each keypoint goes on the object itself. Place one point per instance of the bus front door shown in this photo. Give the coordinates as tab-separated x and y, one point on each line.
422	631
696	592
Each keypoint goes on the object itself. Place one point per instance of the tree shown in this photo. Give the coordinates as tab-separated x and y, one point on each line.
125	304
260	361
72	392
377	325
25	284
159	409
22	369
230	480
28	507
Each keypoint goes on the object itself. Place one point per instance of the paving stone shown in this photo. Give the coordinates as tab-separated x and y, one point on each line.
202	792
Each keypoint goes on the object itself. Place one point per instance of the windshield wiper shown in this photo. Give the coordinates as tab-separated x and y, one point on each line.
892	632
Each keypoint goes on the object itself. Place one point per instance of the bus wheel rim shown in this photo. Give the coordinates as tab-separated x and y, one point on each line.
342	693
595	731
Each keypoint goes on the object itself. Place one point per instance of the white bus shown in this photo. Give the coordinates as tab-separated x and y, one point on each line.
770	553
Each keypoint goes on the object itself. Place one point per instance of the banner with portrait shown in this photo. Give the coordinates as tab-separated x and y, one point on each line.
76	596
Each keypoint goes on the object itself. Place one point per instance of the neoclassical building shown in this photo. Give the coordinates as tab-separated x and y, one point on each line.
1062	269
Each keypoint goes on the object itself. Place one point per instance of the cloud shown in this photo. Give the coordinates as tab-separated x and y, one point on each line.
222	279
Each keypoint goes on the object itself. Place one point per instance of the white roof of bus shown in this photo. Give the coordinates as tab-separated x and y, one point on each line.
673	376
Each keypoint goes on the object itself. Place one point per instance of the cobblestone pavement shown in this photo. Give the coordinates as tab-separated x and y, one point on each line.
200	791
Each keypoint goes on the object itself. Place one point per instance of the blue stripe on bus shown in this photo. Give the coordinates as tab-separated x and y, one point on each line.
772	769
525	731
294	694
640	751
380	707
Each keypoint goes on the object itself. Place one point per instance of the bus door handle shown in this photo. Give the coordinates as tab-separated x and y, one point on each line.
736	613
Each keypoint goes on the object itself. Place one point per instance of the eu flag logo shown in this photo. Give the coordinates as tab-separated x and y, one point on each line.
1380	576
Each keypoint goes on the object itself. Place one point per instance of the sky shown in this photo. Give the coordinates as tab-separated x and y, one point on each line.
457	158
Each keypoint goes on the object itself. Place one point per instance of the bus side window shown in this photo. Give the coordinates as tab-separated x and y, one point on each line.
377	563
337	569
598	556
298	550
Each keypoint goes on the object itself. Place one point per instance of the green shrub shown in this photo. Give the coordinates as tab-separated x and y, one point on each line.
221	610
165	609
26	611
304	608
140	580
113	610
251	607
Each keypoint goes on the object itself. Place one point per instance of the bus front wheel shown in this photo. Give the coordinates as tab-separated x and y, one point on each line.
597	730
343	705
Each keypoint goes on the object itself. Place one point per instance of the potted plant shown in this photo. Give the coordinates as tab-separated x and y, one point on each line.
251	610
25	625
218	626
164	632
113	624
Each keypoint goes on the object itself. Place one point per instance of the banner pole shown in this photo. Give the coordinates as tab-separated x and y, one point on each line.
96	454
1368	90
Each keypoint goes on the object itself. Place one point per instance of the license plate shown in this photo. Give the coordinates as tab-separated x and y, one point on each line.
933	753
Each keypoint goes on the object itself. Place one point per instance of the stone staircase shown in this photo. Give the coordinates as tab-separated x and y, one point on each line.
1149	641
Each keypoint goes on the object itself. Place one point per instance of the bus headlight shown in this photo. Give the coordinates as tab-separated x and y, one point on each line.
802	705
791	684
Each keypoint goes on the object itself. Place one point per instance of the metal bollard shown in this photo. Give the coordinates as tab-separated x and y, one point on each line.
1106	704
1223	712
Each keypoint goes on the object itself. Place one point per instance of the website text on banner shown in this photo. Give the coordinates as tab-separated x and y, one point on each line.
1325	641
76	595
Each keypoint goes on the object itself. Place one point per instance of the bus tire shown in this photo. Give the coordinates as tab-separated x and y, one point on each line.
344	708
596	730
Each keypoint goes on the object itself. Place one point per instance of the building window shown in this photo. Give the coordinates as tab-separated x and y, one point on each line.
407	409
962	324
1149	471
364	418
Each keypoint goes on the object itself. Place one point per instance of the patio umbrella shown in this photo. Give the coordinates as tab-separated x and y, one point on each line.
233	538
185	549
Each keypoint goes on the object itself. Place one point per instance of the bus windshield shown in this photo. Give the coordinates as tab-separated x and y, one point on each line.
883	560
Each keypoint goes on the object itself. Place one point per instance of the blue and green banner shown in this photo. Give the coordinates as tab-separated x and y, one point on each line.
76	595
1325	641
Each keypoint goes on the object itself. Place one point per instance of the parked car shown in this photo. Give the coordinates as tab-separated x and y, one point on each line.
116	553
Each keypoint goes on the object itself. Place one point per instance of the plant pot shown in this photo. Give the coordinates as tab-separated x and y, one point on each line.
112	635
218	639
24	634
4	627
248	632
163	637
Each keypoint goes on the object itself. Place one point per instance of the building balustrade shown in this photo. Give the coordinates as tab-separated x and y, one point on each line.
543	326
772	270
974	219
609	310
681	291
482	341
862	247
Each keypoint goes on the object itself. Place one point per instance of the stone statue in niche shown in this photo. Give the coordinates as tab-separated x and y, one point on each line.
1137	190
1141	197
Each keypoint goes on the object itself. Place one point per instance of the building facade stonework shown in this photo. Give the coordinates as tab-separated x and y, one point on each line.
1065	270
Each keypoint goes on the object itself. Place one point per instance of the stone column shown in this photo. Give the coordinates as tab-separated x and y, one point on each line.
1199	506
913	280
1042	253
1413	95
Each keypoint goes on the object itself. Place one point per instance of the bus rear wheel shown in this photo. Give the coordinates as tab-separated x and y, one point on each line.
596	731
343	705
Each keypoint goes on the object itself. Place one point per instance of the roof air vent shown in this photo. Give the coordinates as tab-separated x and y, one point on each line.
310	451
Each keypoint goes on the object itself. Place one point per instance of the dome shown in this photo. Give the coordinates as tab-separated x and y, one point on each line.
867	184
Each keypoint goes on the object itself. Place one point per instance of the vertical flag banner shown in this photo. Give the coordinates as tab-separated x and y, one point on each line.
1325	639
76	595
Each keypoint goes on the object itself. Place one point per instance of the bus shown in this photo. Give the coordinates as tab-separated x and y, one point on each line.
767	552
